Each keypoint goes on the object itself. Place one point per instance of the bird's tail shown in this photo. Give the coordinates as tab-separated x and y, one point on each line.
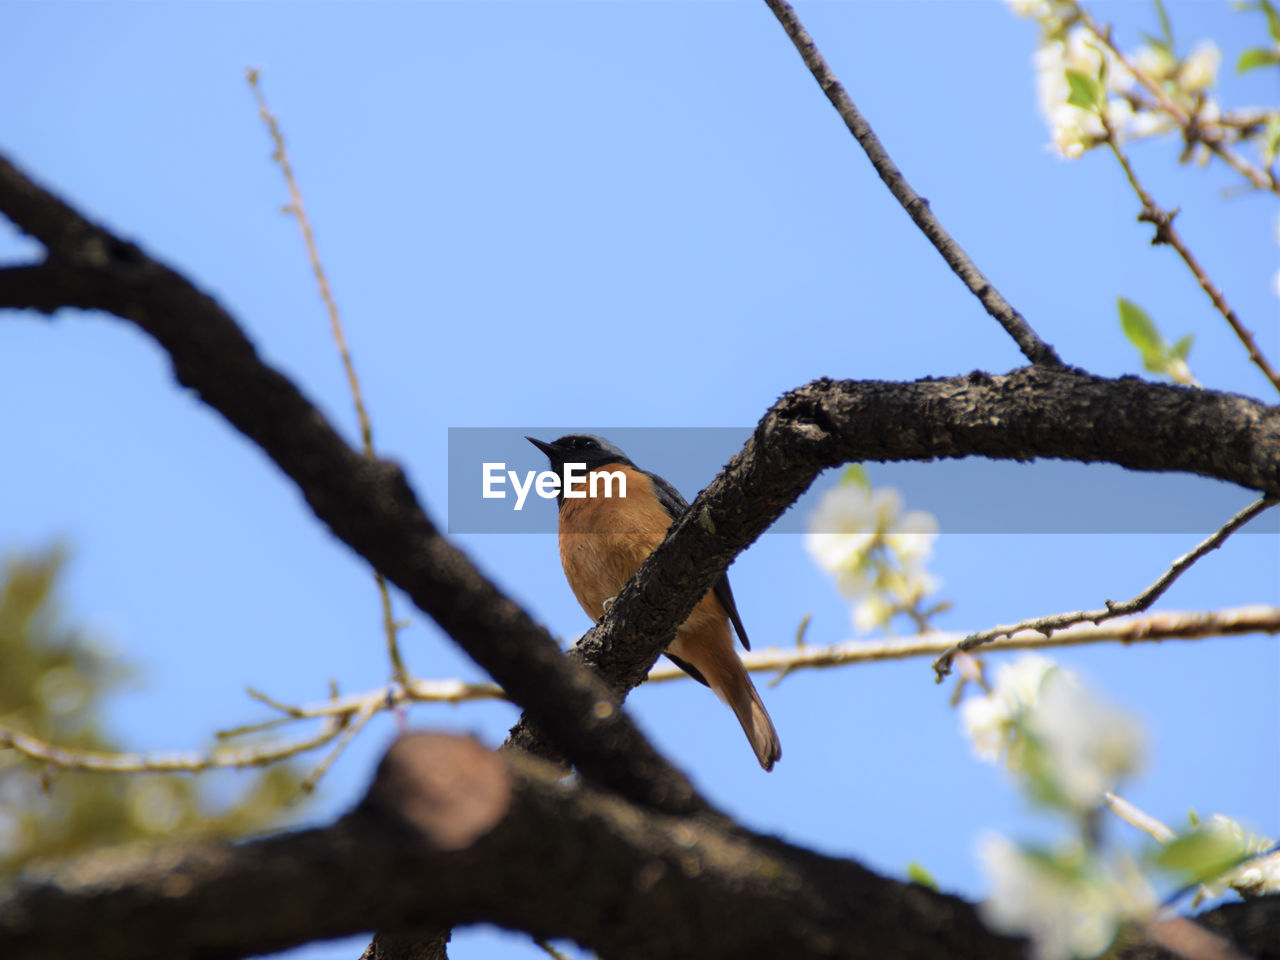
711	659
749	708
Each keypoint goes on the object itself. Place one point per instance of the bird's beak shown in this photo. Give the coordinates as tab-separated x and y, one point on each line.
550	449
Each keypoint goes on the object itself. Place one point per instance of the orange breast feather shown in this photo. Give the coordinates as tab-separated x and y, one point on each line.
603	540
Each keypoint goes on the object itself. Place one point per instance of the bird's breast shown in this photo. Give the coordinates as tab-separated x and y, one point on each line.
604	538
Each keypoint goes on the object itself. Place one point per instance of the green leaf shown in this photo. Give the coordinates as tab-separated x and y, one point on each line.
856	475
1067	865
1166	28
1202	854
1142	333
919	875
1256	57
1084	90
1271	139
1273	18
1182	348
1156	43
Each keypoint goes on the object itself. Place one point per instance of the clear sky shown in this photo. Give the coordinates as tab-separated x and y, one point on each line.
546	215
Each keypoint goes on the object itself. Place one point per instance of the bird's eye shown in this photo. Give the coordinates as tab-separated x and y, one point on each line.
589	444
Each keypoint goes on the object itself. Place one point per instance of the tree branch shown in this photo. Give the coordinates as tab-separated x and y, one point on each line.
1032	412
450	832
343	712
1047	625
1035	349
367	503
1166	233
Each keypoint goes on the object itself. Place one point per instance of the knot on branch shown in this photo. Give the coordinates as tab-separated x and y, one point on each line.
1162	220
803	415
449	791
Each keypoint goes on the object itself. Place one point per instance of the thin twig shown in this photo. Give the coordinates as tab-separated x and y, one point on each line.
290	712
281	155
393	695
1138	818
1047	625
1192	131
1028	341
71	758
340	711
550	951
1167	234
349	732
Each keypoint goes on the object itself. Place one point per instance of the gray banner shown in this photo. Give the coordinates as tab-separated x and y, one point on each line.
967	496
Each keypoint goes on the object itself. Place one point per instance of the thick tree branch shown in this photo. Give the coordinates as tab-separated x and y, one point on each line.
452	833
367	503
1033	348
1030	413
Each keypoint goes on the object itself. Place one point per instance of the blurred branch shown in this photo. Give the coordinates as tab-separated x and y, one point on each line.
1137	818
296	207
258	755
367	503
1035	349
451	832
1047	625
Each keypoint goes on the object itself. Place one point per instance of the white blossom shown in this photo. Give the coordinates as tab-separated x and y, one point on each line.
1084	745
1068	908
1199	70
1032	9
988	719
1154	63
1089	745
913	536
875	551
1072	129
846	523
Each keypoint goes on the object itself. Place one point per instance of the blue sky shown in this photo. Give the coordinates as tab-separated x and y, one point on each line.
613	215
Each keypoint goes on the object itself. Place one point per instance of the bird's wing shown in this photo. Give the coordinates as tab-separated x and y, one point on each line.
676	505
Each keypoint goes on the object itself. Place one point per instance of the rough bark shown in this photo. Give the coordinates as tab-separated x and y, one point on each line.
451	833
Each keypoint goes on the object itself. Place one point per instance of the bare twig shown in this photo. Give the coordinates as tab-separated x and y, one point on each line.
281	155
290	712
549	950
1138	818
349	732
345	715
1028	341
1162	220
1047	625
70	758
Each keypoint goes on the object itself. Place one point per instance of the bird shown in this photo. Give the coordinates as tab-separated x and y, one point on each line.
603	539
